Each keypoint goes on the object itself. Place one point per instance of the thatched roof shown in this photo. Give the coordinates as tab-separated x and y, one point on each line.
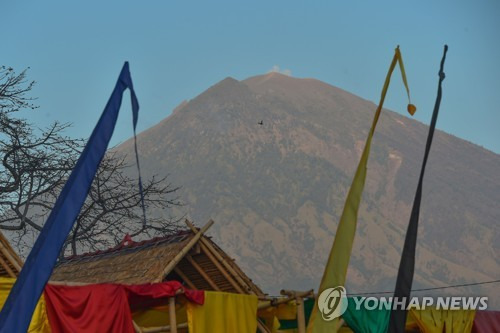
10	263
200	264
129	262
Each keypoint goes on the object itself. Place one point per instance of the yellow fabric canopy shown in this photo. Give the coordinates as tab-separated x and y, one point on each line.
39	321
223	312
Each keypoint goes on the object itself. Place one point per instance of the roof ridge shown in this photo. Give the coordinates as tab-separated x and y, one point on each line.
128	243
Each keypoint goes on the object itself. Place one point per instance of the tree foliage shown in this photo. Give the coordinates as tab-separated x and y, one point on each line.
35	164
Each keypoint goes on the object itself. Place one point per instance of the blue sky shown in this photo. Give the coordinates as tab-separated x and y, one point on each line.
177	49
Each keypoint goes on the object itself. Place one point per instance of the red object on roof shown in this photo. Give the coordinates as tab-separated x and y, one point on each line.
127	240
128	243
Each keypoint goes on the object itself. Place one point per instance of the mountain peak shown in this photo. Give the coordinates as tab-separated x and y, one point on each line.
227	86
226	83
270	158
228	80
276	75
289	83
271	76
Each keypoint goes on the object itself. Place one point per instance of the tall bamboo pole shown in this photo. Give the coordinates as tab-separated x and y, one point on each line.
172	315
299	299
301	319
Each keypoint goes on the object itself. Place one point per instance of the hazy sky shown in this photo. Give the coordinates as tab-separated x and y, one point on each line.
177	49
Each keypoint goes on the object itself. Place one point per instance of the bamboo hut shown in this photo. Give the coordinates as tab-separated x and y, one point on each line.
187	256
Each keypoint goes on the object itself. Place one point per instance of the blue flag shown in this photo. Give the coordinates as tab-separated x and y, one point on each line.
18	309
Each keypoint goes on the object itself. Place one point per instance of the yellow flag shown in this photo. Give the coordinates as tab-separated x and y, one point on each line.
223	312
39	320
336	267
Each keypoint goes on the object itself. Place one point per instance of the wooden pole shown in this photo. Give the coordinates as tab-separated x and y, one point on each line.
220	258
171	315
301	319
221	269
202	273
10	257
162	329
178	257
340	324
262	327
69	283
11	254
137	328
185	278
299	299
276	301
7	268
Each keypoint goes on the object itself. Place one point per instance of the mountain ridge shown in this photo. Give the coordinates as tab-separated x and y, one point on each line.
276	190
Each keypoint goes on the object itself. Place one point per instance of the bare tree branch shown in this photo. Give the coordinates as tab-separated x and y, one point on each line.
35	164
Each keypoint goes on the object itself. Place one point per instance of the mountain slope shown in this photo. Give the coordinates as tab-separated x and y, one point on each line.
276	190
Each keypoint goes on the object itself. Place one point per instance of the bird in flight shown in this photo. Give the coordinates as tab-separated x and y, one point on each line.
261	122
